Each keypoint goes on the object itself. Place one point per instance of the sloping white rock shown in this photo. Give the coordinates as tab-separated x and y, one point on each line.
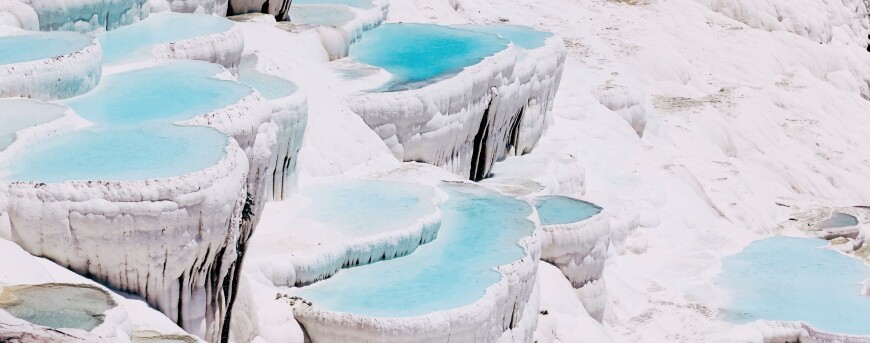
88	15
19	15
53	78
224	48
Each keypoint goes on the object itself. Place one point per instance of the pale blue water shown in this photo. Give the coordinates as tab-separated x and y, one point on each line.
34	46
320	15
134	135
794	279
839	219
365	4
553	210
270	86
522	36
82	307
479	232
17	114
418	54
365	207
135	41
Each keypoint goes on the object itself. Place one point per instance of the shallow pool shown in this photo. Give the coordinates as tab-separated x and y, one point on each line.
522	36
270	86
480	231
366	207
795	279
419	54
83	307
838	219
136	41
554	210
18	114
32	46
134	135
325	15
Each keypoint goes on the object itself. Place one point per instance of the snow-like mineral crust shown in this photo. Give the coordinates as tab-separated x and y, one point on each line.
52	77
88	15
213	7
18	15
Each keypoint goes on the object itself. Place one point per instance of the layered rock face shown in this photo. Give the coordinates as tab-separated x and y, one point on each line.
215	7
88	15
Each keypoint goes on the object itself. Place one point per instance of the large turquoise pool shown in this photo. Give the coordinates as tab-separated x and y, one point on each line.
795	279
480	231
32	46
418	54
522	36
134	135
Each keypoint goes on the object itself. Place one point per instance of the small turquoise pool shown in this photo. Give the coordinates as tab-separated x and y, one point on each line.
480	231
83	307
795	279
367	207
270	86
34	46
364	4
134	135
838	219
18	114
419	54
522	36
327	15
136	41
554	210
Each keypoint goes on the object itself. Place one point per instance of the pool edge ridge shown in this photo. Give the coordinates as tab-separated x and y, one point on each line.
54	78
223	48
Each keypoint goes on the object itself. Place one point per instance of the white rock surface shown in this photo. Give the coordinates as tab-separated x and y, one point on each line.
88	15
18	15
214	7
223	48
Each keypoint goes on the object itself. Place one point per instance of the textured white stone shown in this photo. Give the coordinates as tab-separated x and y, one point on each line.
214	7
53	78
224	48
19	15
88	15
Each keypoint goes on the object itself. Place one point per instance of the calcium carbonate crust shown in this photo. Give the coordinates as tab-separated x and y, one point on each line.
212	7
88	15
502	311
18	15
438	123
224	48
778	331
337	40
53	78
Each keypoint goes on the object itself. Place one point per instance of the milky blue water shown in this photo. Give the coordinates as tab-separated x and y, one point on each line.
522	36
34	46
136	41
479	232
134	135
365	4
270	86
17	114
839	219
554	210
365	207
320	15
57	305
419	54
794	279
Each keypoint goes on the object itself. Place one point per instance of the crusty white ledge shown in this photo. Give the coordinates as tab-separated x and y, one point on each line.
224	48
53	78
88	15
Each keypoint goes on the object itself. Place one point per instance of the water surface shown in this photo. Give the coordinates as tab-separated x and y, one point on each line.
32	46
57	305
554	210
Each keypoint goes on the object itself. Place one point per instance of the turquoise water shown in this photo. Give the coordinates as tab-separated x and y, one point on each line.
270	86
136	41
18	114
365	207
82	306
365	4
794	279
320	15
522	36
133	136
553	210
415	54
34	46
839	219
479	232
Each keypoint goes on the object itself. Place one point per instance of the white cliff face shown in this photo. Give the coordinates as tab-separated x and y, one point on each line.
18	15
223	48
53	78
467	122
88	15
